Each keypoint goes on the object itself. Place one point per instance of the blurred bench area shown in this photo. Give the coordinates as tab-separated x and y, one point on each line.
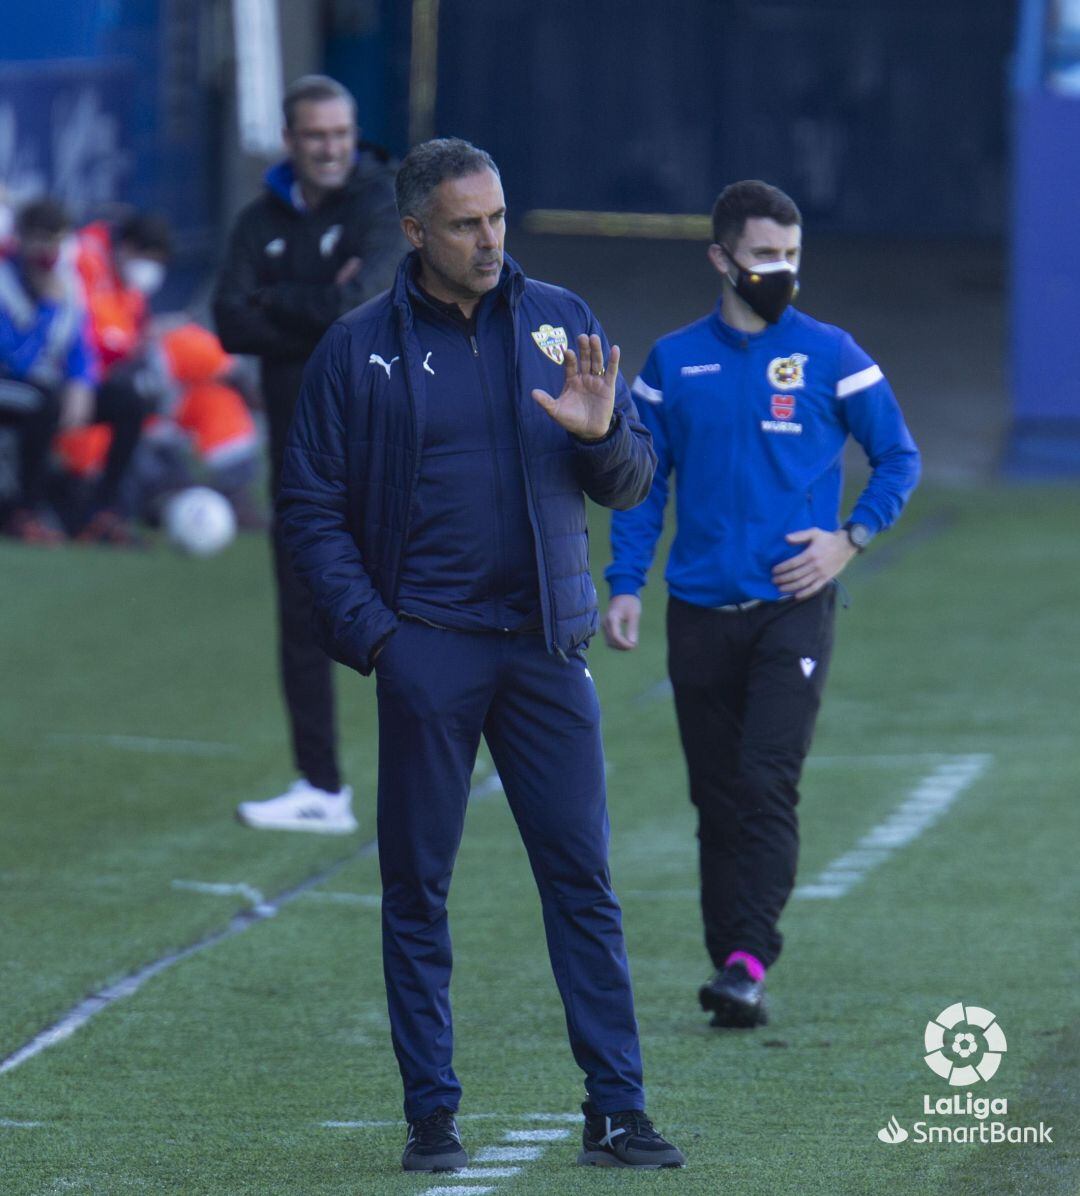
932	146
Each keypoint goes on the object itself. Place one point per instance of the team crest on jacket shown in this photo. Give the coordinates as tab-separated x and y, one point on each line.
551	342
782	406
786	373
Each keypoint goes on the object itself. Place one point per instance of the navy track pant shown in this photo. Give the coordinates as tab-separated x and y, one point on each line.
438	692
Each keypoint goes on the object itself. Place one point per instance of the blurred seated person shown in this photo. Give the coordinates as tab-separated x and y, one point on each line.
176	372
203	433
48	367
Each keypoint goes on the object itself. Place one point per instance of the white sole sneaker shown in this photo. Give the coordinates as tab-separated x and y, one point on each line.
302	808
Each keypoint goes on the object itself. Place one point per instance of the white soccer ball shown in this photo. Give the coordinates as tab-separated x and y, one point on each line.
199	521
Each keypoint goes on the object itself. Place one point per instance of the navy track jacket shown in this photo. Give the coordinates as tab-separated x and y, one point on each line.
753	425
353	458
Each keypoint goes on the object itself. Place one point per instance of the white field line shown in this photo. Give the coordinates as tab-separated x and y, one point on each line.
535	1135
334	897
80	1014
922	807
256	899
251	895
77	1017
507	1154
567	1118
147	743
885	760
445	1190
522	1146
8	1124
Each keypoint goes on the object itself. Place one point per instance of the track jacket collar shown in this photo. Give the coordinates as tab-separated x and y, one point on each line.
740	339
511	283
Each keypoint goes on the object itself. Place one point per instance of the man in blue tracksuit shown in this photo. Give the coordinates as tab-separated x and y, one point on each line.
432	500
750	409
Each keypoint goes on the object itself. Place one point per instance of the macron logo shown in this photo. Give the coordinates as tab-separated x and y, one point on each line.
692	371
807	664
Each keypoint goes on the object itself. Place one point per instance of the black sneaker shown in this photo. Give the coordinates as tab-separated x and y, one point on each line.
434	1144
625	1139
734	998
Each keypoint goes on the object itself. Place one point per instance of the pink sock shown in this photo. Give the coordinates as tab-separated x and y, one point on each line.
754	967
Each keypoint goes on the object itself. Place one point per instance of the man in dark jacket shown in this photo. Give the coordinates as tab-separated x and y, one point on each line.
322	239
433	500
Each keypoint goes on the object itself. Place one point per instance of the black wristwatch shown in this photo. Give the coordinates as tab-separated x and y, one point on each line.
858	534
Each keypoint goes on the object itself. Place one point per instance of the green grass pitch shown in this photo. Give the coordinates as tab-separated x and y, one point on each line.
139	704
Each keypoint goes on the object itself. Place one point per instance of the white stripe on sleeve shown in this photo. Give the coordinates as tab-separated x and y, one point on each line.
853	383
644	391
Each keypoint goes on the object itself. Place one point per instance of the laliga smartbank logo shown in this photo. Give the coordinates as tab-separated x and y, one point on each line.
964	1046
954	1051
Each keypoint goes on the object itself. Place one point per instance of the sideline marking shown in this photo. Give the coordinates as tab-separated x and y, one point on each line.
923	806
147	743
535	1135
507	1154
8	1124
252	895
78	1016
523	1146
568	1118
337	897
478	1190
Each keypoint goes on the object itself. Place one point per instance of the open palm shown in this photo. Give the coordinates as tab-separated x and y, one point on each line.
588	395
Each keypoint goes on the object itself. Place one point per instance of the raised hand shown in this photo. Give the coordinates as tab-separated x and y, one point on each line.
588	395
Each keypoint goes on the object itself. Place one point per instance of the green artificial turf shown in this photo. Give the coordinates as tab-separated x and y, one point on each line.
140	704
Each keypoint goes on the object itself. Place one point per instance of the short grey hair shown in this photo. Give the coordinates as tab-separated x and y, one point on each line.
314	88
432	162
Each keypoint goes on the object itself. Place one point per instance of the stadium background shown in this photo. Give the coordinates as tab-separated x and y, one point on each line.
932	147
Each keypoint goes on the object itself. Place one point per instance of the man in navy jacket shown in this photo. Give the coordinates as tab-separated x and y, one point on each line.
433	502
750	408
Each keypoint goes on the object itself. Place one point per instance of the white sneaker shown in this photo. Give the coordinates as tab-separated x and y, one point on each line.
302	808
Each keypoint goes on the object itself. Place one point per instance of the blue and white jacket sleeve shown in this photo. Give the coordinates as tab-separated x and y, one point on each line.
634	533
874	419
313	509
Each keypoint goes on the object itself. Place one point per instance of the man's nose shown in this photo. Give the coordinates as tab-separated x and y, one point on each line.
488	237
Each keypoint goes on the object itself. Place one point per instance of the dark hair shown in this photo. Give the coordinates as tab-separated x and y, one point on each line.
45	217
431	162
313	88
145	231
748	200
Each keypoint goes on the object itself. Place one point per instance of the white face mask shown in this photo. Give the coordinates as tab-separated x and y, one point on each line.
143	274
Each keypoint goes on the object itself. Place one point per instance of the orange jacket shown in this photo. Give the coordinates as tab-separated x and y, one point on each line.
117	313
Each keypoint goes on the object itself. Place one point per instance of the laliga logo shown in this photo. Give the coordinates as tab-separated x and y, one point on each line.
949	1047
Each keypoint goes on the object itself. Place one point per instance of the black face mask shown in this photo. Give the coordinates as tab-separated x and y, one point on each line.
767	289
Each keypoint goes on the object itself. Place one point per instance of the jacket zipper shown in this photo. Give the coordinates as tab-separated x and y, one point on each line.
418	453
501	571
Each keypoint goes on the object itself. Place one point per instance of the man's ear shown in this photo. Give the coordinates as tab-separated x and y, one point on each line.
413	230
721	263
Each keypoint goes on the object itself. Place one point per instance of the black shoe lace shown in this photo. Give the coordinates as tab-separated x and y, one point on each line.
434	1128
636	1124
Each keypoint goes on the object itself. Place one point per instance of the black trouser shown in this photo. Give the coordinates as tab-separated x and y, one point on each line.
748	685
32	412
123	406
306	671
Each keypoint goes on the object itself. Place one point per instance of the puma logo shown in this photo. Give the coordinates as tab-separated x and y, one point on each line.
375	359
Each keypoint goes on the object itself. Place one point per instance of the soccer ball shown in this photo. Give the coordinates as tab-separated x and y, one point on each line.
199	521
